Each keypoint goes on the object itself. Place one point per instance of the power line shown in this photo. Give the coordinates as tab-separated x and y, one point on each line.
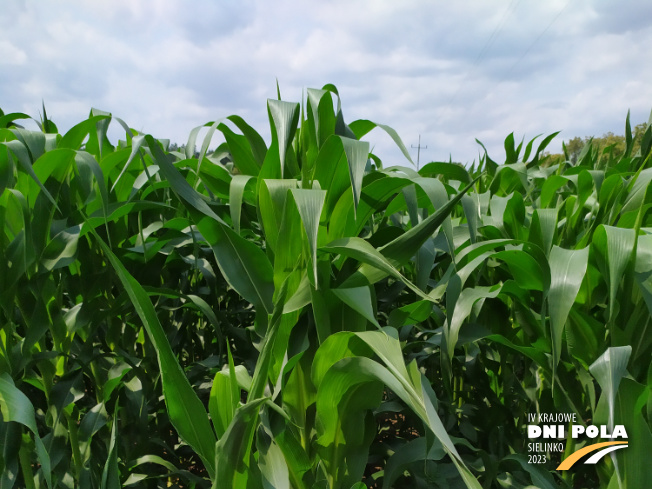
511	8
529	48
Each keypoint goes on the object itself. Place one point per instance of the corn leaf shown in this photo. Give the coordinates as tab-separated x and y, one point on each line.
16	406
310	204
187	413
616	247
283	119
236	193
609	370
567	269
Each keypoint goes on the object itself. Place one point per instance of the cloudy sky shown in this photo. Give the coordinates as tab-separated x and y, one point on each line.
450	71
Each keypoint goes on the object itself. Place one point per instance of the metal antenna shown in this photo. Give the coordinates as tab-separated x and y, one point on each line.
419	150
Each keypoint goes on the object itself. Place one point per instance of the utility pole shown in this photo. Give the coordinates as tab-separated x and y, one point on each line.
418	147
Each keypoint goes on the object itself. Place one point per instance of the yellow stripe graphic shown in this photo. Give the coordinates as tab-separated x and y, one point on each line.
575	456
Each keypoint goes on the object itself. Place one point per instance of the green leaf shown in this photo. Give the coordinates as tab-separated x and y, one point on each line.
548	191
111	472
233	449
6	171
191	145
470	206
179	184
224	397
243	264
292	253
616	248
450	171
363	126
271	205
541	478
567	269
297	460
321	110
643	269
88	165
136	143
92	422
19	150
310	204
543	228
632	467
283	119
61	251
536	353
74	138
542	146
489	164
187	413
628	137
406	455
11	436
465	302
609	370
273	467
510	150
374	197
334	377
241	151
236	193
357	153
358	299
15	406
405	246
331	171
348	392
636	196
364	252
377	264
438	196
34	141
256	142
527	271
6	120
263	365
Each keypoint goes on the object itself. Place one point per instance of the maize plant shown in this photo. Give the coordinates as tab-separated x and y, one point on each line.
295	314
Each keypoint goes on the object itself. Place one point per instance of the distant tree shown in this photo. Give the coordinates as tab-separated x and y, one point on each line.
573	148
609	143
181	149
551	159
639	130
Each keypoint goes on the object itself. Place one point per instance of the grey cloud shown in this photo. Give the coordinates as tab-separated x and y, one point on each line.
621	17
169	66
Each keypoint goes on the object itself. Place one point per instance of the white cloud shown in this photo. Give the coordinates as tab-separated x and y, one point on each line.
11	54
450	71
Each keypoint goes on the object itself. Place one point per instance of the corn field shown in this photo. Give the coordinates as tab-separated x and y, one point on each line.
301	316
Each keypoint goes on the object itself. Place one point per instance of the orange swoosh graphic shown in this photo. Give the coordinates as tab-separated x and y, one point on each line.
575	456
